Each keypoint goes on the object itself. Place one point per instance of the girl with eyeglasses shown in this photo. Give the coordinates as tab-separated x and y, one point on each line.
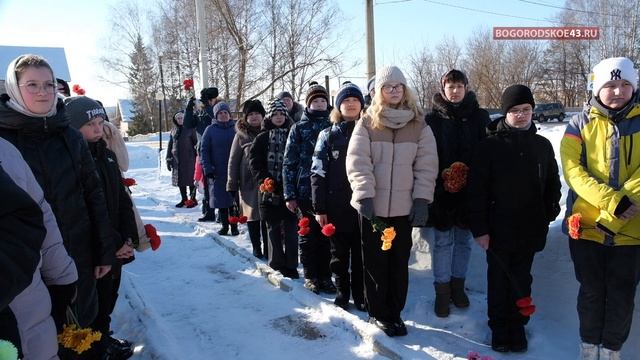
392	164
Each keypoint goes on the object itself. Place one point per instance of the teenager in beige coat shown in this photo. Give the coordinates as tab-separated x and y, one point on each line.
392	165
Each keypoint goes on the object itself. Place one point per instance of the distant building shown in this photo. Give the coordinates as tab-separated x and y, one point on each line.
124	115
55	57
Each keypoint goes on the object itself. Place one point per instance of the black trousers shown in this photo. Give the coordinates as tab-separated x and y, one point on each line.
107	288
315	250
283	232
346	252
258	230
205	201
386	273
183	192
508	279
608	277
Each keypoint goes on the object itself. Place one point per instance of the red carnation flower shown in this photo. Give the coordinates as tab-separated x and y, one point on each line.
129	182
328	230
303	222
304	231
242	219
525	301
188	84
527	310
152	234
75	87
233	220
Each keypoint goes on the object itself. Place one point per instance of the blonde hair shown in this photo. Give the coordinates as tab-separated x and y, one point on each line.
409	101
31	60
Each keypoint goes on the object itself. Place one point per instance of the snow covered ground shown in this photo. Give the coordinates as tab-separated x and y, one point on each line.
202	296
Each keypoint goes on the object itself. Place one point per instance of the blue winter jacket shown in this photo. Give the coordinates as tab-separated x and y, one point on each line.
296	173
215	149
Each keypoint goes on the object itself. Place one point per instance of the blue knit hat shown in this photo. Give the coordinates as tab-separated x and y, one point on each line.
349	89
220	107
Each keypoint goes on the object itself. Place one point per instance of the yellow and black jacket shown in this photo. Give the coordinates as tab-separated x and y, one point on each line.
600	154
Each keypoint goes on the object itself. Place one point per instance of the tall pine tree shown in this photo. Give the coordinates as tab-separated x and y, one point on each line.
142	85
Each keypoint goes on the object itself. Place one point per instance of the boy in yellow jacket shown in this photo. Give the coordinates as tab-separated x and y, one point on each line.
601	165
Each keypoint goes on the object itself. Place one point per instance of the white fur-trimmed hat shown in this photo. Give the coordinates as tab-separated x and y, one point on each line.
617	68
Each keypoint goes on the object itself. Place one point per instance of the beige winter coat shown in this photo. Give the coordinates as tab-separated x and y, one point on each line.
392	166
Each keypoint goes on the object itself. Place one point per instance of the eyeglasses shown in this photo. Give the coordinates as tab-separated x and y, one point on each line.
388	89
520	112
49	87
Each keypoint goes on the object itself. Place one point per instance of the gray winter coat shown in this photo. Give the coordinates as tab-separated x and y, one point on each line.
32	307
239	176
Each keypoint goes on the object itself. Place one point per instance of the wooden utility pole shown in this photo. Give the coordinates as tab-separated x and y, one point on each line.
202	39
371	45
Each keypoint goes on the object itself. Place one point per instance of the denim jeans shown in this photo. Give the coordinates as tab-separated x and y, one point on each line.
450	252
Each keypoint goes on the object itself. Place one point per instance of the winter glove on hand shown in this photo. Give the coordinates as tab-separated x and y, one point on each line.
61	297
366	208
191	103
169	164
419	212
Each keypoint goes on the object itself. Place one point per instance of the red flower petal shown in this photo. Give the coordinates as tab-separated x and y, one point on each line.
328	230
242	219
129	182
524	302
528	310
233	220
304	222
155	242
304	231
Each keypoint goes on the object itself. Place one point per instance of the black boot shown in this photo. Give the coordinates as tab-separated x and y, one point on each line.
500	339
344	288
443	297
312	284
234	230
208	217
254	236
327	287
459	298
518	341
223	216
181	203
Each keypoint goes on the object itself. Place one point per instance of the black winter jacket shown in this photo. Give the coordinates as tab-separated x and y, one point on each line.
21	235
458	129
119	205
330	189
514	188
61	162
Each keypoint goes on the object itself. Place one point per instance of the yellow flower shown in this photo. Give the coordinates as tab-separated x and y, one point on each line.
77	339
386	245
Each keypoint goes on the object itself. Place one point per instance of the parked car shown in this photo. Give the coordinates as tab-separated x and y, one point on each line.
546	111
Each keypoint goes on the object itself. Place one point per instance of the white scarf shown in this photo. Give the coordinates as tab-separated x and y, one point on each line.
16	102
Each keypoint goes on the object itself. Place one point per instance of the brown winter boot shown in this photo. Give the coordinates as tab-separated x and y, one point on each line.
443	297
459	298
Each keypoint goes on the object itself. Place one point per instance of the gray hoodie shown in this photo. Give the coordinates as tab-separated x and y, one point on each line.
32	307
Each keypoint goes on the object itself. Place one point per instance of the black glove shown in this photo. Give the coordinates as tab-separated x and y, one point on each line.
191	104
366	208
211	176
61	297
419	212
169	164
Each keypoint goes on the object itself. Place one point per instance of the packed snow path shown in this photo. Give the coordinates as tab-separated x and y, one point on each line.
200	298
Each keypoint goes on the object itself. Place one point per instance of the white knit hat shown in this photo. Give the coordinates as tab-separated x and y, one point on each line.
617	68
389	74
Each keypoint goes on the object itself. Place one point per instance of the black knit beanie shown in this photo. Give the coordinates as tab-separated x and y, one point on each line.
253	106
516	95
79	110
208	94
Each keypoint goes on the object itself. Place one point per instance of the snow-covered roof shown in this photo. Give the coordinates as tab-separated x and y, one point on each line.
55	57
125	109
